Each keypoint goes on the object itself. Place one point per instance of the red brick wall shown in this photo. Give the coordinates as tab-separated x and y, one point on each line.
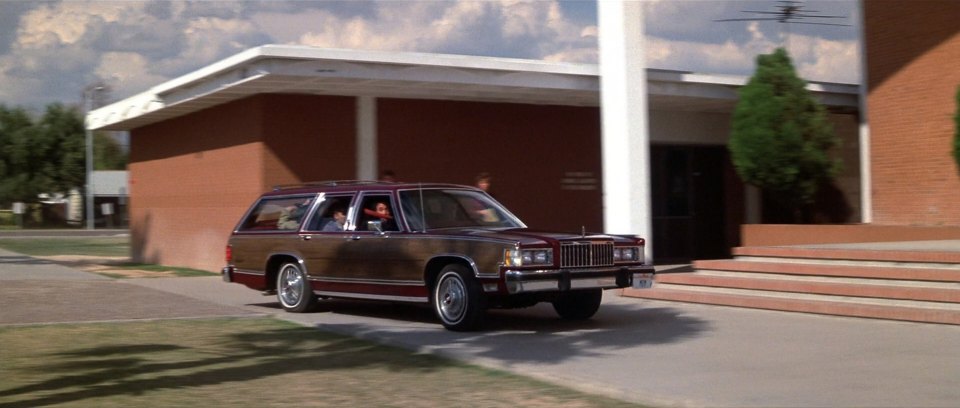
794	234
192	177
309	138
528	149
913	51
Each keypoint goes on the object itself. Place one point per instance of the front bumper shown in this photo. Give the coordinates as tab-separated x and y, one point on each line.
561	280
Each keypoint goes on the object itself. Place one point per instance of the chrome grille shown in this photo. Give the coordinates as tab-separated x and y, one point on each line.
581	254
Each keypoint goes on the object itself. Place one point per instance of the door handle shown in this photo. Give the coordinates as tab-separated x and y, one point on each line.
353	238
306	237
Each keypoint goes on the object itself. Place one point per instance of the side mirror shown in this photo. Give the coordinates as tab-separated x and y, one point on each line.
375	226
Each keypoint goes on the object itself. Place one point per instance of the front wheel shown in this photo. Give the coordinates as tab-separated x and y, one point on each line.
457	299
578	305
293	289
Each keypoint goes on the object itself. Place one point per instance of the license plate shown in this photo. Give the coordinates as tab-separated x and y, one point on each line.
642	280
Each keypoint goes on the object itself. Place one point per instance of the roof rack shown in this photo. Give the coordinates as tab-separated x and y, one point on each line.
330	183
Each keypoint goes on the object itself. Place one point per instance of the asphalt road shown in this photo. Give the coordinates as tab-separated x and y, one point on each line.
658	353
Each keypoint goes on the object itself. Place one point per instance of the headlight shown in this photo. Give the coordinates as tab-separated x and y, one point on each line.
512	257
626	254
527	257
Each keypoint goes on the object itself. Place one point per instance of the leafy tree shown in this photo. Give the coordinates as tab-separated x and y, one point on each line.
107	153
781	138
48	155
16	130
65	156
956	135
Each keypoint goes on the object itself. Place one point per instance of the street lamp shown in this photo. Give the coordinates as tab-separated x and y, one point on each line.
90	95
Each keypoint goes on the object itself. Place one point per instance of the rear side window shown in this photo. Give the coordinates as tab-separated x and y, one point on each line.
331	213
280	213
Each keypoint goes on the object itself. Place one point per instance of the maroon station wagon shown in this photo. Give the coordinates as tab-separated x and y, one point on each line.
451	246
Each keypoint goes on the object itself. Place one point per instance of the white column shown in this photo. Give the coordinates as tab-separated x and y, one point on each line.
866	177
366	138
625	139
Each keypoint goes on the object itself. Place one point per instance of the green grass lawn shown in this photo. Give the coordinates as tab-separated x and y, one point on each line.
96	246
174	270
245	362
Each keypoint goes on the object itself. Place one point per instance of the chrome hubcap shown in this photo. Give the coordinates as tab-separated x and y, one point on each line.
291	286
451	298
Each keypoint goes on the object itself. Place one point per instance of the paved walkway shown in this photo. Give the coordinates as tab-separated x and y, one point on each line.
659	353
35	291
62	233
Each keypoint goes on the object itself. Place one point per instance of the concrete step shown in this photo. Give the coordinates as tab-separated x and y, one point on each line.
889	270
838	253
838	307
862	288
912	285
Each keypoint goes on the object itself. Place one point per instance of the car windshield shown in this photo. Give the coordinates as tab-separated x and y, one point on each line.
451	208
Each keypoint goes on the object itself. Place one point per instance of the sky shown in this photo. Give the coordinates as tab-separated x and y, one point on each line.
51	50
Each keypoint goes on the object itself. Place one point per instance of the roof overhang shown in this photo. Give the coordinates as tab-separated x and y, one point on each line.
321	71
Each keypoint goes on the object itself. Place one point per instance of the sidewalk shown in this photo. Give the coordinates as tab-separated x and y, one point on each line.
62	233
35	291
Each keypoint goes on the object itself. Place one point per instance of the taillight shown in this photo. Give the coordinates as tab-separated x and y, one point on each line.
229	254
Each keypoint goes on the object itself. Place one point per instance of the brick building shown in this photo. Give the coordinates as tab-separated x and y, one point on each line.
204	145
913	51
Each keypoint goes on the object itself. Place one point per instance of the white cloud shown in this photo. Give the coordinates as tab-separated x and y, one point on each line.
16	90
507	28
521	19
455	21
826	60
287	28
127	72
816	59
58	48
207	39
62	23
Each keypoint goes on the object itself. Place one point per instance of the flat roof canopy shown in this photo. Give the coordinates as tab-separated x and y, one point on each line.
321	71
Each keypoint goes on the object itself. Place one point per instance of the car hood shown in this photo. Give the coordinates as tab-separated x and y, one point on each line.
530	236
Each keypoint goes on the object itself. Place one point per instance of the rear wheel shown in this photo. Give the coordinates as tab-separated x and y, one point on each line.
578	305
293	289
457	299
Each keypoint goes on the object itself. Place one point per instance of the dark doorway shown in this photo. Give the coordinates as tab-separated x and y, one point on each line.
689	206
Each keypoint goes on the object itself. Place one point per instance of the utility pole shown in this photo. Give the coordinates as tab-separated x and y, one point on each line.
90	97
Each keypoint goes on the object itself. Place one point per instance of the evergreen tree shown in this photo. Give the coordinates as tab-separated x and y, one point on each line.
781	137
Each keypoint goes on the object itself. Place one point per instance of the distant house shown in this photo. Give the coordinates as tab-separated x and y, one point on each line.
110	193
110	198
